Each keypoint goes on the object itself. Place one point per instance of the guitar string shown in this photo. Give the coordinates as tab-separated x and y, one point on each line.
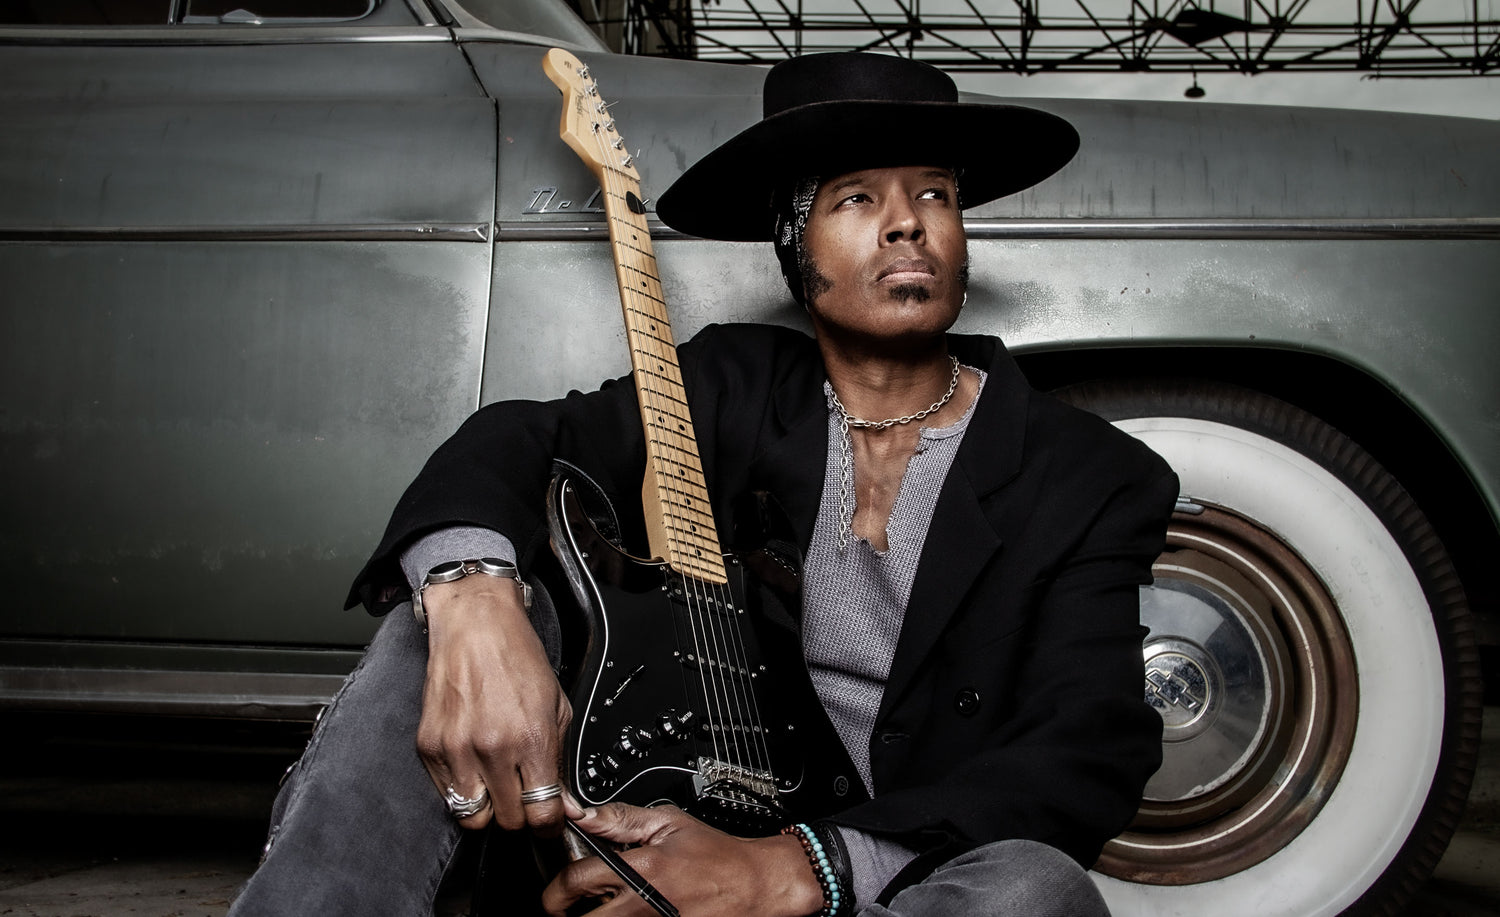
707	601
713	694
723	728
744	733
759	740
728	663
754	731
716	598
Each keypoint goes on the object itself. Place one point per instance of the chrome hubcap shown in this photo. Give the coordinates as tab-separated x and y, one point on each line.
1250	667
1209	676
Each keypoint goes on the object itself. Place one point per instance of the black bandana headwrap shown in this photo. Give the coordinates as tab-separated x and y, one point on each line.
792	205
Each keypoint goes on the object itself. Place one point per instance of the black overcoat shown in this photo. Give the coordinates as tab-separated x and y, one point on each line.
1014	707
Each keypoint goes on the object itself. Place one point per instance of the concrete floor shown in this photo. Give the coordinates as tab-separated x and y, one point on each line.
144	819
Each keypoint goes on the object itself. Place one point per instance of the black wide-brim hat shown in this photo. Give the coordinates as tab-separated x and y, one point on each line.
829	114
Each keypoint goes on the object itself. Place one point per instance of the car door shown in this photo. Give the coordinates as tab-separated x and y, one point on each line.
246	288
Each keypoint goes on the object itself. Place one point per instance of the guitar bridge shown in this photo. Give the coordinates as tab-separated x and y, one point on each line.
730	794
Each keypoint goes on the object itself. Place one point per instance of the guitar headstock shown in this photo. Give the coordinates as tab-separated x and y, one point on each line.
586	124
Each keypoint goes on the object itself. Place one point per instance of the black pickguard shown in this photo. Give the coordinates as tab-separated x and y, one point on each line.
690	694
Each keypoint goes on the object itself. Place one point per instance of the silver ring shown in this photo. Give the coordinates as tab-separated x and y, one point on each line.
462	806
541	794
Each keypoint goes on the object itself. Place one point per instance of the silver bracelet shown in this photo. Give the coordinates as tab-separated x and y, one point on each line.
454	570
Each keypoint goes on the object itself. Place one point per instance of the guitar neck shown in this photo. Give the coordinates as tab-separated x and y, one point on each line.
679	518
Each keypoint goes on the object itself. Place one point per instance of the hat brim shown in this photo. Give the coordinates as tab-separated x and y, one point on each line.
997	149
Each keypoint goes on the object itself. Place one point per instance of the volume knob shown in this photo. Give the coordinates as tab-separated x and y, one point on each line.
635	742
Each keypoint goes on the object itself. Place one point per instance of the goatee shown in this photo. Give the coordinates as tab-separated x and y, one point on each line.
914	292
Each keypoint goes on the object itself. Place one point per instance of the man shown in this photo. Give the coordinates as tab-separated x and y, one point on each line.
973	553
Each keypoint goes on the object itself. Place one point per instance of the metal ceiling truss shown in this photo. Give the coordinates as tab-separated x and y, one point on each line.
1381	37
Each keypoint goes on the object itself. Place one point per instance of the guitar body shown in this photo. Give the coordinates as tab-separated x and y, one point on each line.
685	693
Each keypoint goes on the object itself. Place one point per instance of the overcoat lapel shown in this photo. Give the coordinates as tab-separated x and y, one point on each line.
791	464
962	539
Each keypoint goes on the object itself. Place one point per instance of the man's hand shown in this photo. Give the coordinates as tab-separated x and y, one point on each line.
701	870
493	714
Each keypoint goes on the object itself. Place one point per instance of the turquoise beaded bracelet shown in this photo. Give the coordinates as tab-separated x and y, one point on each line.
822	868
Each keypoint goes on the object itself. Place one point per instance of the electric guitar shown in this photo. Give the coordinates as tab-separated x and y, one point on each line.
679	696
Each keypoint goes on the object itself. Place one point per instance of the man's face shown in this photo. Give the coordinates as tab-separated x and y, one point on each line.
886	258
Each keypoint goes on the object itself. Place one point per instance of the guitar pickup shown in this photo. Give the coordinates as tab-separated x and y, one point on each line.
711	600
714	666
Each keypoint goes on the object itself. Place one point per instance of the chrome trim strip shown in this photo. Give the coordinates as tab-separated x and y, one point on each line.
217	35
1455	228
570	232
244	695
1292	228
350	232
1257	229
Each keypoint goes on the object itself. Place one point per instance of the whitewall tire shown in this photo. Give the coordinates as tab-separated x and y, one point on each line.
1311	654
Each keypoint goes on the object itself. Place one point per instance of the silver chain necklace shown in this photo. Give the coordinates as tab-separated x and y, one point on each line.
846	457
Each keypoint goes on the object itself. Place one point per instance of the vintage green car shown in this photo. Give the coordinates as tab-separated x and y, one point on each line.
258	259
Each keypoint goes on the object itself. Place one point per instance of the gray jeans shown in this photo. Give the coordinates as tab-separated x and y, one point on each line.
359	829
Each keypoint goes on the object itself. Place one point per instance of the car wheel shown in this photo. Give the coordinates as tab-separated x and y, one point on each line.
1312	655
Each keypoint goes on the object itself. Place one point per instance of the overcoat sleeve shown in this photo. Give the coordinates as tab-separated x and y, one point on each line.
493	472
